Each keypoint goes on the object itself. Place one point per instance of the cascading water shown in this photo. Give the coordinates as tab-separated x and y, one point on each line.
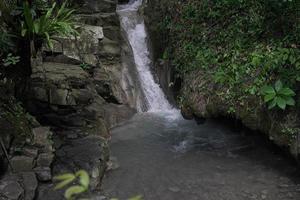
159	155
133	24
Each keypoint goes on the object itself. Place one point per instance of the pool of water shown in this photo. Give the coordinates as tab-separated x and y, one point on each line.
164	157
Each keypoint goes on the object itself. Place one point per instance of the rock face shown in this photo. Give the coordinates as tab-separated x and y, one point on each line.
75	89
164	70
202	104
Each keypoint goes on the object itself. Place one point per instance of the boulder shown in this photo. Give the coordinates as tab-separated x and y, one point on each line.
30	184
10	188
22	163
43	173
76	155
41	138
45	159
108	85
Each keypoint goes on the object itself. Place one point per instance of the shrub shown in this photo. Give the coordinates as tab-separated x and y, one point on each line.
55	21
278	95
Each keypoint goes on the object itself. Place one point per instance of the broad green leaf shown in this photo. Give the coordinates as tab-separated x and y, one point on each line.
268	90
64	177
269	97
49	43
84	178
278	85
281	102
290	101
28	16
63	183
286	92
71	191
36	26
272	104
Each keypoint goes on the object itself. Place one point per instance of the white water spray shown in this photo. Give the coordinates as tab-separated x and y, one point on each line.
134	26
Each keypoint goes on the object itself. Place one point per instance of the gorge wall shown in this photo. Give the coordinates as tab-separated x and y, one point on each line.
77	92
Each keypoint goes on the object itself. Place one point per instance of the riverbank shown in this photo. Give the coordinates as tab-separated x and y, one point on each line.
215	70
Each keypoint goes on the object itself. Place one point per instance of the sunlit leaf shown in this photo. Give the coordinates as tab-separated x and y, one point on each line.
84	178
71	191
64	176
63	183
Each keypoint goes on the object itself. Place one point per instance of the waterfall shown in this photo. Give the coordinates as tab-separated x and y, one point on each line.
134	26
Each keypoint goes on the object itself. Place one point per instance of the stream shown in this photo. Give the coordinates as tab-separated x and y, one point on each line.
167	158
161	156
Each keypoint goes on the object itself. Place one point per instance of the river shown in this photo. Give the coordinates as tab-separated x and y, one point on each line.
161	156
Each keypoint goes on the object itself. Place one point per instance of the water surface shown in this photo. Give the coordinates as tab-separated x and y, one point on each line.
163	156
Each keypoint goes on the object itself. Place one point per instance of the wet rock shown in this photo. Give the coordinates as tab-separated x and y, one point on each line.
76	155
116	114
41	138
30	184
45	159
94	6
22	163
100	19
43	173
30	151
47	192
10	188
108	86
113	164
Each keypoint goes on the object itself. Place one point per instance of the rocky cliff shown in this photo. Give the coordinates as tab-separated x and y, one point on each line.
76	95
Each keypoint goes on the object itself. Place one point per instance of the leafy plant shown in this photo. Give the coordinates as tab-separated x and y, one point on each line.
84	66
83	181
278	95
10	60
55	21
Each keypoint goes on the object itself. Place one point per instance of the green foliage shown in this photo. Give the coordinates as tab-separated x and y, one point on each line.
278	95
6	43
18	124
10	60
57	20
83	181
85	66
239	45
